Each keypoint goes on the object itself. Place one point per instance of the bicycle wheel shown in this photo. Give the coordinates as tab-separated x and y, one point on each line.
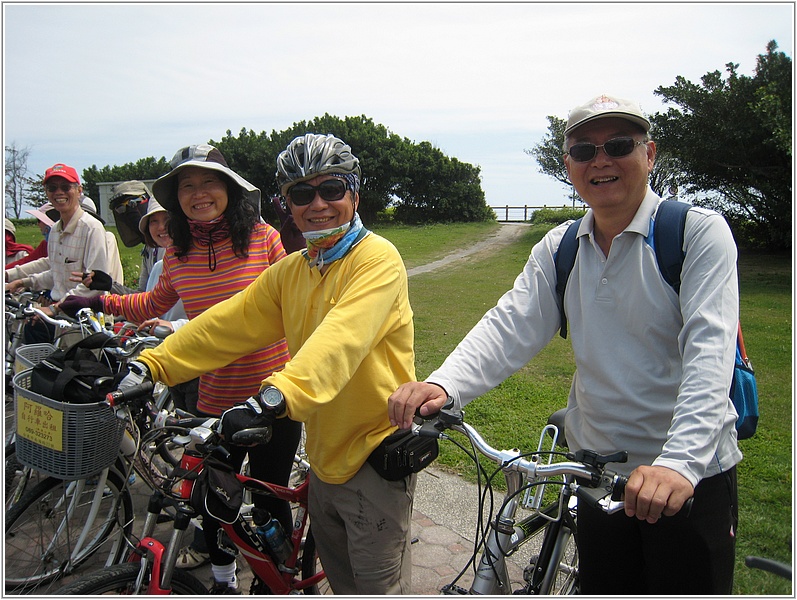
51	531
18	478
559	577
311	565
121	580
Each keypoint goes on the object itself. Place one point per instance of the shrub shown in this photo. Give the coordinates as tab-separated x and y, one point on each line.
555	216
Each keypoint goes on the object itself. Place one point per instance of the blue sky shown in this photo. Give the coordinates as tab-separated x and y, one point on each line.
107	84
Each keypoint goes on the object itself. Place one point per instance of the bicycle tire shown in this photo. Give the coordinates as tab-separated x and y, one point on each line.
121	579
37	552
310	565
561	571
18	478
564	563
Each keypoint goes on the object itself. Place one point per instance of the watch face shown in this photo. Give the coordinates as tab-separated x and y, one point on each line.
272	397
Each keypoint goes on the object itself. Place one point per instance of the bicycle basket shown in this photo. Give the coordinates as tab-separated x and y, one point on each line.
27	356
67	441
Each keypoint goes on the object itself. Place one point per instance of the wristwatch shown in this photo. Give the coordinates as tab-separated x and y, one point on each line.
272	399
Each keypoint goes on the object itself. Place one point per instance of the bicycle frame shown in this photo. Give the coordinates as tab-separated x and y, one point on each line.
280	579
507	535
584	470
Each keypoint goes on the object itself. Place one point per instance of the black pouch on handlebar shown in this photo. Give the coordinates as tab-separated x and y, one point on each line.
72	375
401	454
217	492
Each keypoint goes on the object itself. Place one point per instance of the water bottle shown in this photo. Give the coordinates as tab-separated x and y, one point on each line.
272	535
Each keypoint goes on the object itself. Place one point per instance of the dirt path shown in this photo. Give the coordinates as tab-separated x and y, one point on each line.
506	234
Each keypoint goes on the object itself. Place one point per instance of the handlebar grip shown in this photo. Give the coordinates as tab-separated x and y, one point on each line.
136	391
253	436
12	303
620	482
161	332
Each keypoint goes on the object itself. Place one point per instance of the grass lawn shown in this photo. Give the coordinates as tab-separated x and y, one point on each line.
447	303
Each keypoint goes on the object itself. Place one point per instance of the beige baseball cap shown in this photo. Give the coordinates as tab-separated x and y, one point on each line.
606	106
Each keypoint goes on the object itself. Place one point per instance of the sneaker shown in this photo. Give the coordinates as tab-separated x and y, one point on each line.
222	588
188	558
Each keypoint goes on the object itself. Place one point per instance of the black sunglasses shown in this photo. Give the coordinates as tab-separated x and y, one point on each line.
54	187
330	190
617	147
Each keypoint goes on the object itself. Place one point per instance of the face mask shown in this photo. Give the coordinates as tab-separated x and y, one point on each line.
321	238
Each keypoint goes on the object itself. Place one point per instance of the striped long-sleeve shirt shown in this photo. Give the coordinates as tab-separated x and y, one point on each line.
200	288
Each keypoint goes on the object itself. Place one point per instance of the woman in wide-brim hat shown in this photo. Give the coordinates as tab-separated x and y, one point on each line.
220	247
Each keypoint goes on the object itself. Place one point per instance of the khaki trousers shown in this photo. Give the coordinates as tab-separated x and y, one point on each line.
362	532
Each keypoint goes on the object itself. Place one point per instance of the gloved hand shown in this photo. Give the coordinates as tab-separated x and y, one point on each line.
245	415
72	304
101	281
137	373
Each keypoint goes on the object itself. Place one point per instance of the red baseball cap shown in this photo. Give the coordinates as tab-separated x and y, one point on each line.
62	170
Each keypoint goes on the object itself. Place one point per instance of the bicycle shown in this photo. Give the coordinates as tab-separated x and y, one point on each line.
549	528
151	567
19	478
57	523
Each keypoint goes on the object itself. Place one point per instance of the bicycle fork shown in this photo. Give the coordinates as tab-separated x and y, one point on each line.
157	562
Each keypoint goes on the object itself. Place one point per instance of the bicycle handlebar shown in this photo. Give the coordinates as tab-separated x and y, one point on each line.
63	323
201	431
586	465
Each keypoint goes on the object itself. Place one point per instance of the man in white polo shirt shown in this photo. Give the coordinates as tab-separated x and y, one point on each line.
77	242
653	366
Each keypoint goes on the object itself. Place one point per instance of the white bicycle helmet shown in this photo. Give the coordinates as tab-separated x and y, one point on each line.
311	155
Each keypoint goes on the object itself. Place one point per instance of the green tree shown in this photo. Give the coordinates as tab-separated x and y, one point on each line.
395	170
732	140
435	188
549	153
388	162
145	168
666	178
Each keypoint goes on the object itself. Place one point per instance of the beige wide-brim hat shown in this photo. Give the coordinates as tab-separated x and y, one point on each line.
203	156
143	223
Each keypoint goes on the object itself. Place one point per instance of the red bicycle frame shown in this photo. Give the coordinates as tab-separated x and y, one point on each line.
280	579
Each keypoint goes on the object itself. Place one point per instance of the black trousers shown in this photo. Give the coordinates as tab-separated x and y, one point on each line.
678	555
271	462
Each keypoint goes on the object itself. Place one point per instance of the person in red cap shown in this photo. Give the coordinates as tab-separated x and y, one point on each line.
76	243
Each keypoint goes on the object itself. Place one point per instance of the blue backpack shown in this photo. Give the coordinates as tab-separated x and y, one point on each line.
668	243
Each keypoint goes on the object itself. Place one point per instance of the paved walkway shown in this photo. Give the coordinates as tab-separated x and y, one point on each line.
506	234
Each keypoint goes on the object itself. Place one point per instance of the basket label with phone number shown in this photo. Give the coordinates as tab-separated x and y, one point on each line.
40	424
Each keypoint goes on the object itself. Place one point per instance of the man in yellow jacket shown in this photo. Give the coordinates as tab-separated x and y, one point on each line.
342	305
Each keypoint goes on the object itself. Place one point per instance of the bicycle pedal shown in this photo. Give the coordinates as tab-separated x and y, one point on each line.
453	590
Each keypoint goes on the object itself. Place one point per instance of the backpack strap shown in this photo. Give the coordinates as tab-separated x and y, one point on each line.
564	259
668	240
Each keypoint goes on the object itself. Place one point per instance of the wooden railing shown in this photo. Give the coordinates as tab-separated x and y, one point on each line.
510	214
